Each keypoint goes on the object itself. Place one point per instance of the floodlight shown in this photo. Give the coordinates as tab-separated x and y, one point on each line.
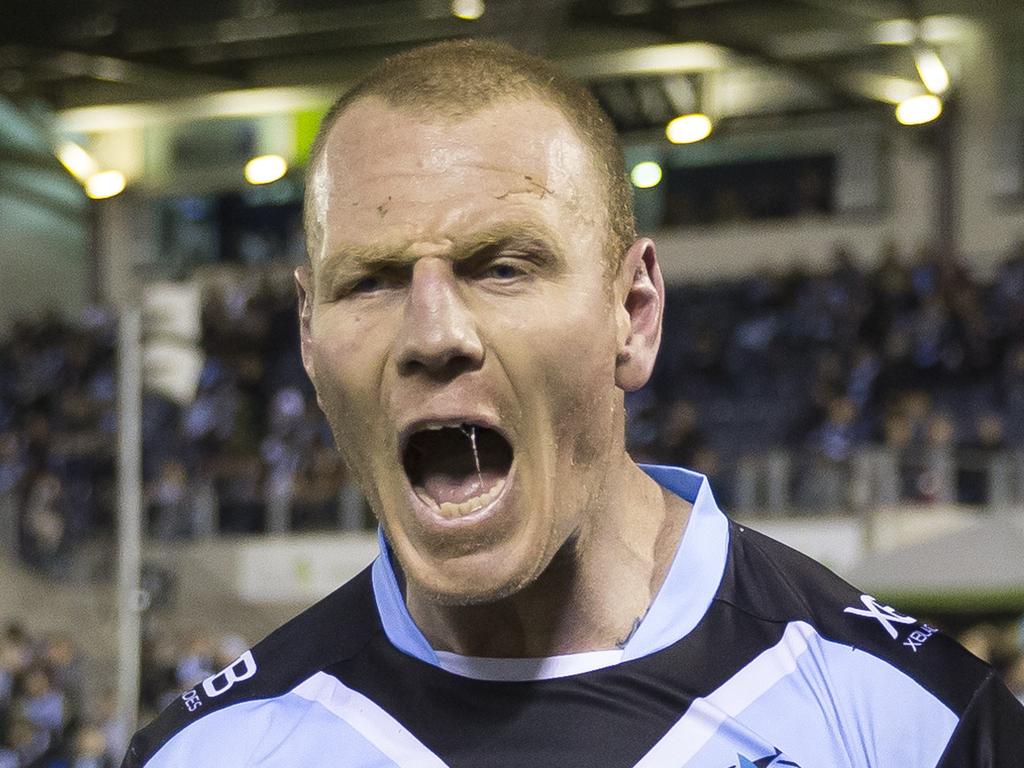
933	72
105	184
78	162
645	175
265	169
919	109
688	129
470	10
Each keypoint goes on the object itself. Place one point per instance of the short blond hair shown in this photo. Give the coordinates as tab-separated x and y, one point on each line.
453	80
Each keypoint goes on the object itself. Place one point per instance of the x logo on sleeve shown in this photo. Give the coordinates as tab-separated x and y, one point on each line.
885	614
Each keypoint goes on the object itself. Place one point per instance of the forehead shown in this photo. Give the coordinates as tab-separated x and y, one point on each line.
392	173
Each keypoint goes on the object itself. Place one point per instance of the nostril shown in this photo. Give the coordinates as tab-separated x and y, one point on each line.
445	350
445	368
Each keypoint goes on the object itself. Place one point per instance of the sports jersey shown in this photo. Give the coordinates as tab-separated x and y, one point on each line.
749	655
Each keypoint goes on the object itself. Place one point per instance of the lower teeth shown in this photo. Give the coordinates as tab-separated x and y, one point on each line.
450	509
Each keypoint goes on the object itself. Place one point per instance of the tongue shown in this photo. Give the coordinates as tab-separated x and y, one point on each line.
453	485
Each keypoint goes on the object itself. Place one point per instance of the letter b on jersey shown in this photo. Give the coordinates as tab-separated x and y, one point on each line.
240	669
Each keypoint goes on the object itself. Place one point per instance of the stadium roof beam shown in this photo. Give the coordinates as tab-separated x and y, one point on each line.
868	10
58	65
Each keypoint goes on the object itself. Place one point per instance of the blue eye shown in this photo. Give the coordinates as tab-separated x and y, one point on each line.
504	271
367	284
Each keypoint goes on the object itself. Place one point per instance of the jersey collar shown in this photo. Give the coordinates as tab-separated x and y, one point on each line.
681	603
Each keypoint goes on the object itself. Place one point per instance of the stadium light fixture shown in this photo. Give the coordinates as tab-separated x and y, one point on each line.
883	87
894	32
468	10
931	69
105	184
935	30
645	175
78	162
689	129
919	109
265	169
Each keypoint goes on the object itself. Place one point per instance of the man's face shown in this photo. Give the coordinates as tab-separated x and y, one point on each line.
462	334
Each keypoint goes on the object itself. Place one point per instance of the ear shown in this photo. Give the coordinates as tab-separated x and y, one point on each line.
304	292
640	298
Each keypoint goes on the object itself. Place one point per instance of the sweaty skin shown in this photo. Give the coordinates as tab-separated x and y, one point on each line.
458	276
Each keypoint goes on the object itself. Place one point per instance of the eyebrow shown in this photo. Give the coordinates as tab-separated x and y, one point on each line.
349	260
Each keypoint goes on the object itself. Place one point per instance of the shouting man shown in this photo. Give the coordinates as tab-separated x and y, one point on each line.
475	307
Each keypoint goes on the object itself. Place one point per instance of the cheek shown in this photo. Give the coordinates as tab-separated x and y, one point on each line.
587	383
346	357
567	381
348	393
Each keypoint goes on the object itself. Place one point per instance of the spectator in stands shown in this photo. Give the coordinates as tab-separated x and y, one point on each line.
61	657
196	663
863	374
25	745
1011	389
43	524
318	485
239	483
825	479
90	749
976	455
40	702
169	500
13	464
15	656
681	438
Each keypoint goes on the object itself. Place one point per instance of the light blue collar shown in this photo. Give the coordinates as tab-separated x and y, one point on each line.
681	603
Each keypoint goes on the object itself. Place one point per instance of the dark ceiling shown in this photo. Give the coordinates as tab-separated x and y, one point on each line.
86	52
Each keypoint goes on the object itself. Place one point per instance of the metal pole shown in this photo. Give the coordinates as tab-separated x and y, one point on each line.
120	239
129	519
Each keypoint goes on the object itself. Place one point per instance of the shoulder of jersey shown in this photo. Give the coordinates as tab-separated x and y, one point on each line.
335	628
772	582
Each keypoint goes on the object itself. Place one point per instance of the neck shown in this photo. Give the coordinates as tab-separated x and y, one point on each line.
593	593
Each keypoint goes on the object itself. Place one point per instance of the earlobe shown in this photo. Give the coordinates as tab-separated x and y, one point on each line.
639	316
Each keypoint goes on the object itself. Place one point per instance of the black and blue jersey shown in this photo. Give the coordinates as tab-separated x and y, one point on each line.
750	655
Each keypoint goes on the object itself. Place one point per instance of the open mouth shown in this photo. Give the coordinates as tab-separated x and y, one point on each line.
457	469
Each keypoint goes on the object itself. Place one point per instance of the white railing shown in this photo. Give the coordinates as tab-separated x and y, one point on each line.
779	482
769	484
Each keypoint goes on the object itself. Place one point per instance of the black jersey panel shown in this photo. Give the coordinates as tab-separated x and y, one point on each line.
336	627
771	580
618	712
990	733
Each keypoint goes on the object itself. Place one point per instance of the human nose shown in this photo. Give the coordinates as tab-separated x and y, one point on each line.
438	334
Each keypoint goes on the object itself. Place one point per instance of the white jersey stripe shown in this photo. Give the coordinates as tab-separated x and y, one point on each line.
702	720
540	668
372	722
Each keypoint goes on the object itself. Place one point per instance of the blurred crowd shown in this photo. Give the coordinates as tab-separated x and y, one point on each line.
915	358
250	436
56	713
46	720
915	355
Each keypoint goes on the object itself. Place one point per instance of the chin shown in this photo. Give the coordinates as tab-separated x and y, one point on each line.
476	580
